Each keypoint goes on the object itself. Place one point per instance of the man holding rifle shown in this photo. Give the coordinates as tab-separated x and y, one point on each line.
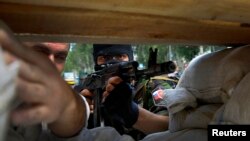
120	107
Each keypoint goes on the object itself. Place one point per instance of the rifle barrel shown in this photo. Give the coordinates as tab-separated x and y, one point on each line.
158	69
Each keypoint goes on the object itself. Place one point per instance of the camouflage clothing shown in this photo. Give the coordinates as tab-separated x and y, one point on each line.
145	88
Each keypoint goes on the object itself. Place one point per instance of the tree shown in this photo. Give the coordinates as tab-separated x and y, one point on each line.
80	58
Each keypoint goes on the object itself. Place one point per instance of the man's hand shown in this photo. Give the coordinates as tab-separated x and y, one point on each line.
118	102
44	95
89	97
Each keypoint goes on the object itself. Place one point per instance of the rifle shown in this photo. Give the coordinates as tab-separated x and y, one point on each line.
152	58
128	71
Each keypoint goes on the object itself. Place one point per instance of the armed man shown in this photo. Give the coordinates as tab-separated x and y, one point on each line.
126	111
192	105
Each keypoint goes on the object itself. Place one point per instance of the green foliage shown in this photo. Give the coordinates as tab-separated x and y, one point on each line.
80	58
187	52
142	53
166	53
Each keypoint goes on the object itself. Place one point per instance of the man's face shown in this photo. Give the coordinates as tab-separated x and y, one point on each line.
56	52
102	59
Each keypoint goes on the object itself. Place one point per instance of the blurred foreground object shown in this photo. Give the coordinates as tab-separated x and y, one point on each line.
7	91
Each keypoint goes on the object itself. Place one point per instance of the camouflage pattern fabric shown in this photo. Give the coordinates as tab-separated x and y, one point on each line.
145	88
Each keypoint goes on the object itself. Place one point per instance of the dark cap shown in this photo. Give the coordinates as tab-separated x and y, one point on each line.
112	49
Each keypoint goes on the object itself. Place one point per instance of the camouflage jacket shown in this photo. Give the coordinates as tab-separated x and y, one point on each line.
145	88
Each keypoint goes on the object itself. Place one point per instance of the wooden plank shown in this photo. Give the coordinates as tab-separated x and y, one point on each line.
98	22
221	10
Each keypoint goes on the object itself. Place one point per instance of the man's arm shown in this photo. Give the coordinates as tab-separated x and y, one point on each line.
146	121
73	118
149	122
43	94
